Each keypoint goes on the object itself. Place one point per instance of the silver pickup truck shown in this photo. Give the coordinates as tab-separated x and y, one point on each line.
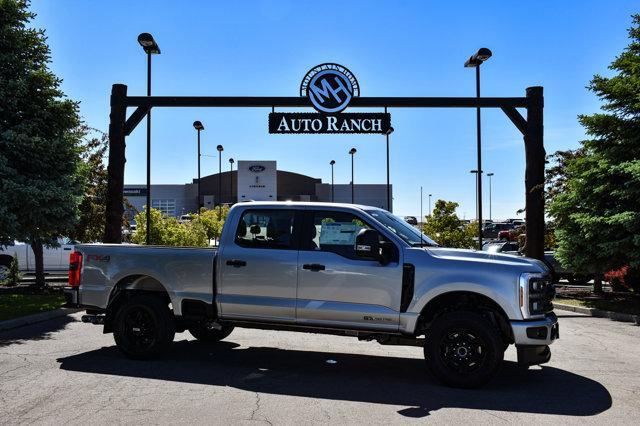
325	268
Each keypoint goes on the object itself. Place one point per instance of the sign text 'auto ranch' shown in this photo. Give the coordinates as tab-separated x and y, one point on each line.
283	122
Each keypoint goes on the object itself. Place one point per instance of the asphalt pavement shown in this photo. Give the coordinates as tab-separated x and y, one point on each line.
64	371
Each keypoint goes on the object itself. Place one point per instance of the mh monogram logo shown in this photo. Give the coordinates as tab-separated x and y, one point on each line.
329	87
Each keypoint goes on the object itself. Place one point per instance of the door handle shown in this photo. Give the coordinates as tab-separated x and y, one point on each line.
236	263
313	266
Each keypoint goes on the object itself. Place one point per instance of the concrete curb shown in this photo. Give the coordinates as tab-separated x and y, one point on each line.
35	318
593	312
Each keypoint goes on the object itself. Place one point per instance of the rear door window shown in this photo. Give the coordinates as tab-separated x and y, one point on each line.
266	229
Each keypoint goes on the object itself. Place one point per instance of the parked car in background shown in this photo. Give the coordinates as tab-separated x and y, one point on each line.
559	272
128	231
506	247
491	230
55	259
411	220
185	218
504	235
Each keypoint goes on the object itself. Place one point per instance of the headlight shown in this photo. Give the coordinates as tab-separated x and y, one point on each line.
536	293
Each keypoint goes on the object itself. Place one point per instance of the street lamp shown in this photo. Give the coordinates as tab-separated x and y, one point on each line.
387	133
332	162
490	217
150	47
478	200
430	205
199	127
231	179
474	62
352	151
220	149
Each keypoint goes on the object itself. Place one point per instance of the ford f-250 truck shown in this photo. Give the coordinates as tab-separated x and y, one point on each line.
329	268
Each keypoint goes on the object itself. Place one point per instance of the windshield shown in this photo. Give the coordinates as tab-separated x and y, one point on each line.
402	229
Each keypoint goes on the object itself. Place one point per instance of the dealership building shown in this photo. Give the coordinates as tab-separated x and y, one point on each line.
252	181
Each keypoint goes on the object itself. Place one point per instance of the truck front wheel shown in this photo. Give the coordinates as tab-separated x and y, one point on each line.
144	327
463	349
204	334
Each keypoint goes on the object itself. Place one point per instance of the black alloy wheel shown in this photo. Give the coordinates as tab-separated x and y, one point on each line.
140	329
144	326
463	349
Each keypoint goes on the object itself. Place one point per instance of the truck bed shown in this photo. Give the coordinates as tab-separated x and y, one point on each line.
184	272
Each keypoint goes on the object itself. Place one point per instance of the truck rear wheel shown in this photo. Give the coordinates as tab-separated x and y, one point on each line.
144	327
463	349
204	334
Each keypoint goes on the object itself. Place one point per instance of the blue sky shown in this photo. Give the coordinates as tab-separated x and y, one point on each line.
395	48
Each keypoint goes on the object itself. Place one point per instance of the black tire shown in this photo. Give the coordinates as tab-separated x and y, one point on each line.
144	327
463	349
203	334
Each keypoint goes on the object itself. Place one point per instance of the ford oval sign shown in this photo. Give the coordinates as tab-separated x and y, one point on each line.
256	168
329	87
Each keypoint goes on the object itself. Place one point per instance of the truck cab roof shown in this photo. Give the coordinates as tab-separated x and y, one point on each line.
311	204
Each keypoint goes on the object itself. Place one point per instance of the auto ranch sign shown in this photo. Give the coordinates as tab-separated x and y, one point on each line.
330	88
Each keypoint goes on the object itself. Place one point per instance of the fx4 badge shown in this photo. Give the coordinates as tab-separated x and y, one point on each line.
98	258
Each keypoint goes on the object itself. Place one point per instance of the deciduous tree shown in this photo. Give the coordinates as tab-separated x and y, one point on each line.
447	229
90	225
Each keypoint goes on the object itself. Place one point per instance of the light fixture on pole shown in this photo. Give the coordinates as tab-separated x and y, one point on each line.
352	151
150	47
199	127
490	215
231	161
220	149
430	205
475	61
332	162
387	133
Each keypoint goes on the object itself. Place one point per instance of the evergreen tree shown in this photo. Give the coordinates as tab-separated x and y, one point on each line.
598	214
41	172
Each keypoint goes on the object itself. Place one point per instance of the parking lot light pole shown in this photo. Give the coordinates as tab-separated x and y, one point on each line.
199	127
477	201
421	217
150	47
332	162
231	179
220	149
474	62
388	132
352	151
490	216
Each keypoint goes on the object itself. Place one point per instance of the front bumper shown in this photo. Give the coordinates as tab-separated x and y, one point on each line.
536	332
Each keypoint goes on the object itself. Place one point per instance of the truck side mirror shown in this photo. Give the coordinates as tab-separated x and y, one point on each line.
368	244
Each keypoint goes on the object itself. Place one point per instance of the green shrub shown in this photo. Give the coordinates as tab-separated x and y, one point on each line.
14	276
